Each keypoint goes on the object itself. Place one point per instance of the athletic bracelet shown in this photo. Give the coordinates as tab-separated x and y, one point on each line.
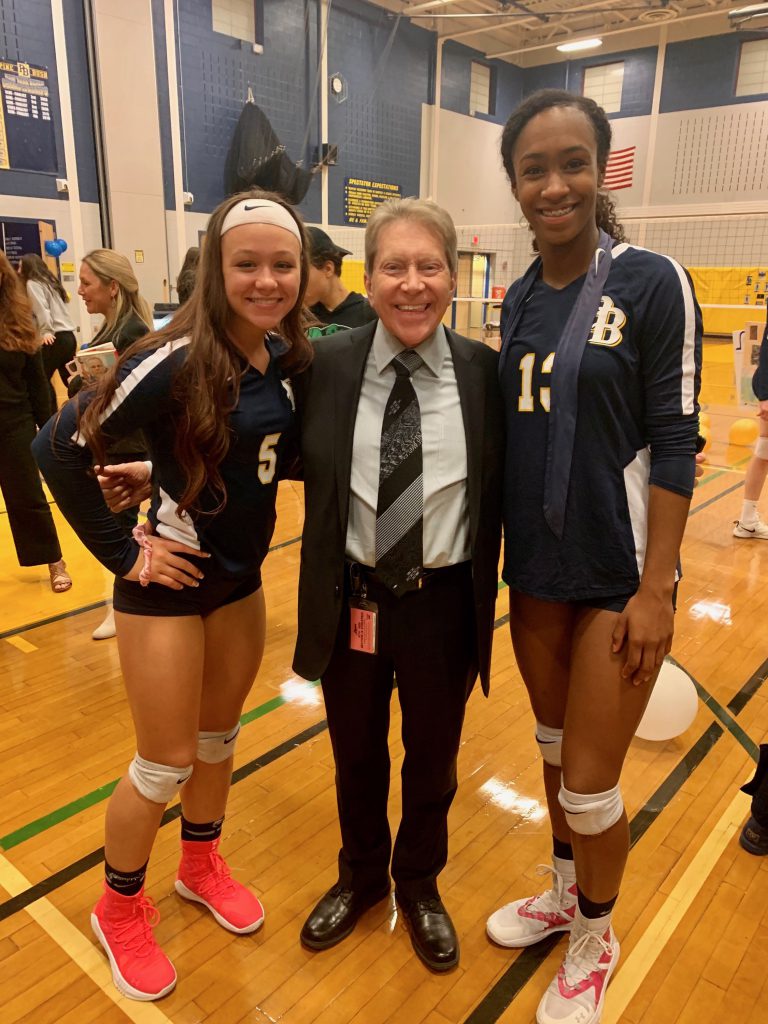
140	536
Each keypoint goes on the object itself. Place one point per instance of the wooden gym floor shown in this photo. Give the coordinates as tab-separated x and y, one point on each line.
693	914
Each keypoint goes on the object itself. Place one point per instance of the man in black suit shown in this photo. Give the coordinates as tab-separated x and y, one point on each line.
402	444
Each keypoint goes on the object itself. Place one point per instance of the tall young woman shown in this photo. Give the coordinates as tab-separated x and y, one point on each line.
600	372
209	394
24	406
55	326
109	288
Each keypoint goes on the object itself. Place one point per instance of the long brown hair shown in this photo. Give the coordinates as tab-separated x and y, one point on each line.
17	323
34	268
207	386
543	100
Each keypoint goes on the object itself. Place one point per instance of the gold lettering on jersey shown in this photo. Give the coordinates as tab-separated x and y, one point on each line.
609	319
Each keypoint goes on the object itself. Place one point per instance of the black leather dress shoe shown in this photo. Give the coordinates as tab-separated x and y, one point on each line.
433	936
336	914
754	838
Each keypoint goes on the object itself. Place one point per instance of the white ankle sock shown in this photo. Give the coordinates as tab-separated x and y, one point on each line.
566	868
749	514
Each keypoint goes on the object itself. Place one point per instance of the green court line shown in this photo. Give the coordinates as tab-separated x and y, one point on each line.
724	716
34	828
722	472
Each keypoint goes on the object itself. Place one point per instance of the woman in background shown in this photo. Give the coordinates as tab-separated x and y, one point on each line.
55	326
185	282
24	406
749	525
108	286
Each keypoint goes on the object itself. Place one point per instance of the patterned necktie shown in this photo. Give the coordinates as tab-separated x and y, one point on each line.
400	507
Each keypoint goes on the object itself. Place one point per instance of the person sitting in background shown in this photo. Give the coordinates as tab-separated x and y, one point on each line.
327	296
108	286
55	326
749	525
24	406
185	282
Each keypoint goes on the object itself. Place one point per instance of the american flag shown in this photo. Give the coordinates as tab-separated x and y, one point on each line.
621	166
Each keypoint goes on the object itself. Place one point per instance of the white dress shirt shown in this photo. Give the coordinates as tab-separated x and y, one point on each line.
444	452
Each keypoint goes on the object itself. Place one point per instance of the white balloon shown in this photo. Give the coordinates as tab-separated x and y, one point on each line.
672	707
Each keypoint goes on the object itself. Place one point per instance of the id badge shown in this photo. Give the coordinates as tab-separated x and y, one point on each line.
363	625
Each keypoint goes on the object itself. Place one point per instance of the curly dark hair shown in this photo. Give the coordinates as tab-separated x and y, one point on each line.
545	99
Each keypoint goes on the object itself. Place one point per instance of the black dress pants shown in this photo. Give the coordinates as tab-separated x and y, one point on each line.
29	517
55	357
427	642
757	788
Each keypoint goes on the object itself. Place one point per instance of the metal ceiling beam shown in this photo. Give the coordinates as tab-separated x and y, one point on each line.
410	11
611	32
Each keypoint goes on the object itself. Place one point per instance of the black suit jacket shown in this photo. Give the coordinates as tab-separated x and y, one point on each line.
327	396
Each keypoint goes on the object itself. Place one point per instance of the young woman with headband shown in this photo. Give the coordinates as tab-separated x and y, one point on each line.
208	391
600	367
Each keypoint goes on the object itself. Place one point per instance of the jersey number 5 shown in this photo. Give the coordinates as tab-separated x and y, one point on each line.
525	403
268	458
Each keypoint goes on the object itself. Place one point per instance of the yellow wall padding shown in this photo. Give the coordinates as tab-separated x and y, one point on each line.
730	286
352	275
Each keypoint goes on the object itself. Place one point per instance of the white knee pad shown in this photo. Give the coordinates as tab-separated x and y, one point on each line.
550	744
589	814
215	747
157	782
761	448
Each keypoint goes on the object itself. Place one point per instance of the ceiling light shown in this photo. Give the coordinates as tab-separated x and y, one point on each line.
579	44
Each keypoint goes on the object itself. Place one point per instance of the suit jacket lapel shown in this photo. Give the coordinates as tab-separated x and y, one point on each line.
347	384
471	385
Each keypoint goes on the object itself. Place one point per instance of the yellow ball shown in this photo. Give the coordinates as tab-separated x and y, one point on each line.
704	420
743	432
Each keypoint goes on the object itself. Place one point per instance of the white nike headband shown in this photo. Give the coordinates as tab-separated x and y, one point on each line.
260	211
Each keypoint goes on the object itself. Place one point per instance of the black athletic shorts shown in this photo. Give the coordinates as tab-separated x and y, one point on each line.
617	603
157	599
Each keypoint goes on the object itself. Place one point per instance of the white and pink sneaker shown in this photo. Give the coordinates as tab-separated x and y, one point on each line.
530	920
577	993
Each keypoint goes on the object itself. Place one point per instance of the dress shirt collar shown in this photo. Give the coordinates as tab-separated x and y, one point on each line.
432	351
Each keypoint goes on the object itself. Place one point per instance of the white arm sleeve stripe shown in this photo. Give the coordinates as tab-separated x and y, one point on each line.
688	364
129	384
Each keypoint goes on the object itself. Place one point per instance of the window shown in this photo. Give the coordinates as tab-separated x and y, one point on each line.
753	68
603	84
480	89
235	18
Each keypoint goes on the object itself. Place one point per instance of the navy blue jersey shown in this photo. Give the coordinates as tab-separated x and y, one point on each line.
637	424
236	536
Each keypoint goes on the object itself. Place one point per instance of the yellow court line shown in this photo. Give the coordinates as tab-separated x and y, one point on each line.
20	644
81	950
635	968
